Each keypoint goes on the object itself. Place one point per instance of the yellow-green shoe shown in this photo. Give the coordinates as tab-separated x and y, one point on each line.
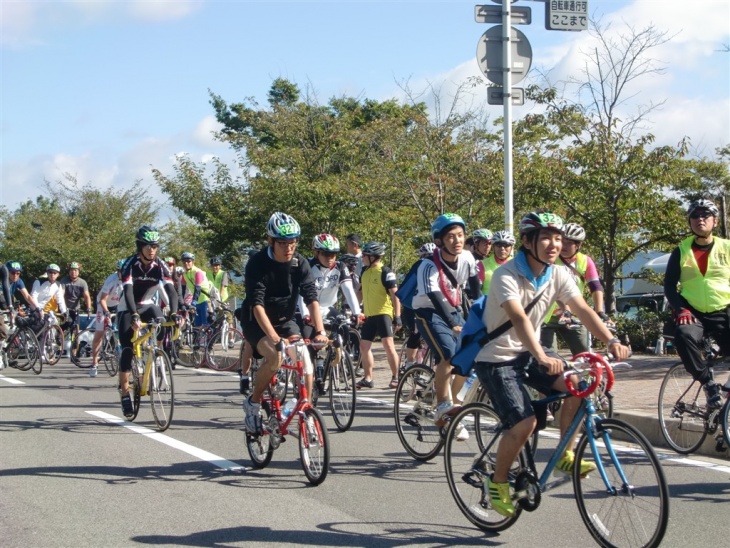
500	498
565	465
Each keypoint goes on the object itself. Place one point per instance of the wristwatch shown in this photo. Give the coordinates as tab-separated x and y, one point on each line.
323	333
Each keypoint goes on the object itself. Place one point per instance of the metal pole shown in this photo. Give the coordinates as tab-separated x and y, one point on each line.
507	123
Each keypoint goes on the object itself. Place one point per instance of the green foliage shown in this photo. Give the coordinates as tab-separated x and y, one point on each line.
644	329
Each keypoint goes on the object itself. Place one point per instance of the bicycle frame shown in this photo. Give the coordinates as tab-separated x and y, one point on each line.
303	402
141	342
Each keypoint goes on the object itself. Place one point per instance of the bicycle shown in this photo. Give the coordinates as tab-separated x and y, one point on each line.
155	369
109	351
625	501
81	340
50	338
337	373
684	418
222	341
314	448
21	348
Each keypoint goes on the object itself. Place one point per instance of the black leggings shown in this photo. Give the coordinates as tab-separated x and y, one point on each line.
147	313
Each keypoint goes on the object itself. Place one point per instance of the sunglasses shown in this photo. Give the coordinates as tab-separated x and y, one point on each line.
152	246
502	244
700	215
328	254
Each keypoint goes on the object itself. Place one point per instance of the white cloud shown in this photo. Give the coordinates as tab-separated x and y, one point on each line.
163	10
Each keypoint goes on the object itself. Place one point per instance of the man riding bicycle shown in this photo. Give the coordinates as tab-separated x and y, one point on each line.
700	265
275	277
522	292
143	275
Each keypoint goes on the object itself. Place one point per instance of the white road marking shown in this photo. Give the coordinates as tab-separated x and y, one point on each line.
10	380
196	452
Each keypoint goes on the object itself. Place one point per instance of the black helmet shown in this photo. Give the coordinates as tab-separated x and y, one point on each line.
215	260
376	249
148	235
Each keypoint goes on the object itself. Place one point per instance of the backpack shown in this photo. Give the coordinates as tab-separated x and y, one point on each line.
407	290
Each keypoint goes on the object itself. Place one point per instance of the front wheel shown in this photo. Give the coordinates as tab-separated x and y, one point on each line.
414	411
343	395
134	386
259	446
223	349
682	409
470	459
81	347
161	389
632	509
726	422
314	447
53	344
108	352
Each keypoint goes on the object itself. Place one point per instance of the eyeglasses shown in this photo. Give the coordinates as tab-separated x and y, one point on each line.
286	243
700	215
152	246
502	244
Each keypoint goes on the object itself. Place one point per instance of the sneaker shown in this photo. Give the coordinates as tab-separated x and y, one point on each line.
363	383
445	408
565	465
393	383
252	421
500	498
92	371
714	395
549	417
462	433
127	408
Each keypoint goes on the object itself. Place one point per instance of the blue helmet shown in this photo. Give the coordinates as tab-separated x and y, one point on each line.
445	221
120	263
283	226
14	266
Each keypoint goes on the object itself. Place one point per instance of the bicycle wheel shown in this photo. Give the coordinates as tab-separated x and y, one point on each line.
23	348
352	345
162	390
632	511
134	387
314	447
682	410
184	347
223	349
34	349
259	447
108	352
725	424
342	393
415	408
468	463
80	353
197	349
53	344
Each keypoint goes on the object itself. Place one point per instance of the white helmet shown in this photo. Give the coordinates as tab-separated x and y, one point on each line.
575	232
503	236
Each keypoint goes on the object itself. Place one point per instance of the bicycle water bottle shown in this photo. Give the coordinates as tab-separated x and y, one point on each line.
288	408
467	385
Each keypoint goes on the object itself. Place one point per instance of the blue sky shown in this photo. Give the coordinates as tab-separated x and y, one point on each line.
106	90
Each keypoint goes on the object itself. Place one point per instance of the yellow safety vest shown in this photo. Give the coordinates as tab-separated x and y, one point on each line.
217	280
189	276
711	292
490	265
581	265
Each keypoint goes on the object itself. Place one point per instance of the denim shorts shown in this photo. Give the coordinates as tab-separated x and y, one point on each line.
438	334
505	383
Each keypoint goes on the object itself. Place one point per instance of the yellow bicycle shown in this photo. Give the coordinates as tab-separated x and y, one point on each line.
152	373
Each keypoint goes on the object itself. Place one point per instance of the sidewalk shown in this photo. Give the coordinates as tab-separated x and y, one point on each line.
635	392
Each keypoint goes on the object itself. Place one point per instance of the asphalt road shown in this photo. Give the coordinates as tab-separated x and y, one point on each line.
73	473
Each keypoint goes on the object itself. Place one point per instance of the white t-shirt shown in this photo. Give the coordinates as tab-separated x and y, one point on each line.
427	277
113	289
508	285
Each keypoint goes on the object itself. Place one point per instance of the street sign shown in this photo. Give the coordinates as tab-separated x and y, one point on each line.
495	96
493	14
489	55
566	15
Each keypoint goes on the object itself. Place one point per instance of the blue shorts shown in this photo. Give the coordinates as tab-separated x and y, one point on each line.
438	334
505	383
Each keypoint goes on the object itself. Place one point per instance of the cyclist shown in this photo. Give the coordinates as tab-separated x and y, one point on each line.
74	288
382	308
198	285
481	246
6	302
107	301
275	277
218	277
701	266
585	273
143	275
413	342
351	261
18	287
48	293
439	304
354	247
503	243
508	362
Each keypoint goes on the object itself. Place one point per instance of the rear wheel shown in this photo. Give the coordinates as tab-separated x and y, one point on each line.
415	408
259	447
224	349
314	446
342	391
352	345
161	389
682	410
469	462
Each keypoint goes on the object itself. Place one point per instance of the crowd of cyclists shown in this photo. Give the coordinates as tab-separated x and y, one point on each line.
535	281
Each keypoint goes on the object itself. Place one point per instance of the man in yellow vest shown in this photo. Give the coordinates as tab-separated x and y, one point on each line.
219	277
697	286
503	243
198	284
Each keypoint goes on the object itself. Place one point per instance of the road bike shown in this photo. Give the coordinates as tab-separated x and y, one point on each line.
624	502
684	417
336	374
109	351
21	349
215	345
50	338
314	448
152	373
80	338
